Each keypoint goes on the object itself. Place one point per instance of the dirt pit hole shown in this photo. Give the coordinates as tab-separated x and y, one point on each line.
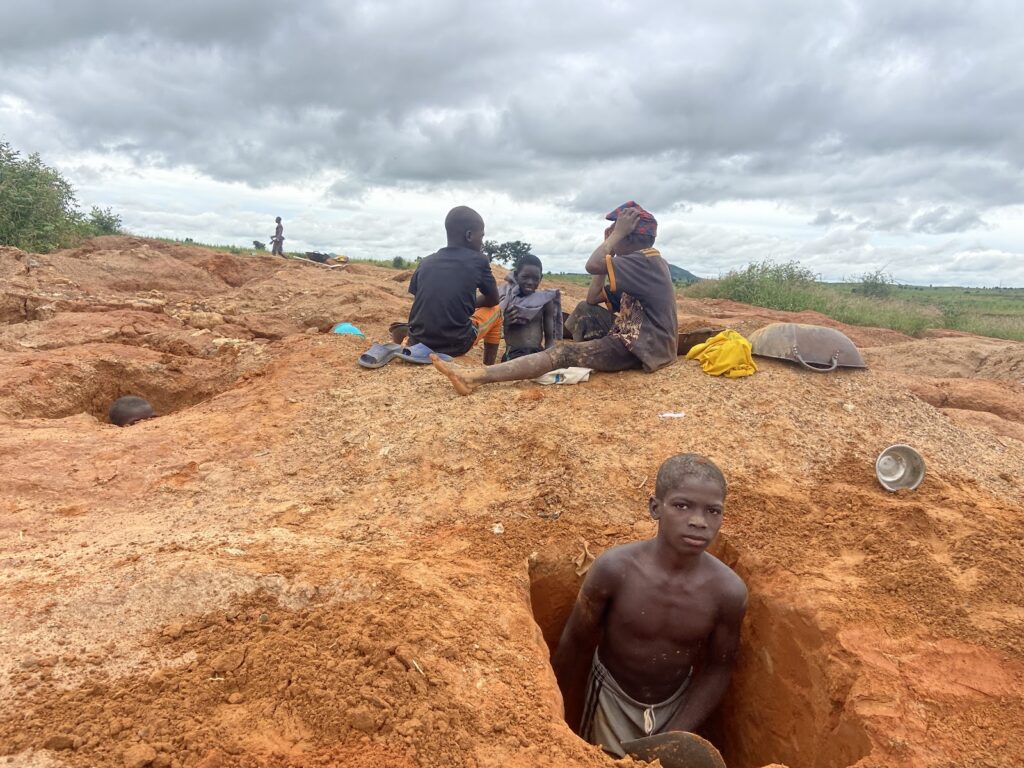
787	699
92	388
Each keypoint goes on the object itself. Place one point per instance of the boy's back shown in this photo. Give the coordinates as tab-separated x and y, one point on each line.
445	286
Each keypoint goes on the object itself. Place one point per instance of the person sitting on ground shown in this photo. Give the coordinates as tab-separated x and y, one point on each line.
594	317
130	409
645	333
651	641
447	314
532	319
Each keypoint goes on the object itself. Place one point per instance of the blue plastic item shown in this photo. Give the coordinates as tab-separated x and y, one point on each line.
348	329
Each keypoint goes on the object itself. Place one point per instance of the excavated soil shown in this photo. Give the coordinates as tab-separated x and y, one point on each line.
302	563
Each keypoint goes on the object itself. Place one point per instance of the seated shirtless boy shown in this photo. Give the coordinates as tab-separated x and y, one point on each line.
532	319
651	641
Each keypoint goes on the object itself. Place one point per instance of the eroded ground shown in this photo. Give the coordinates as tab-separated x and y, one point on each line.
298	563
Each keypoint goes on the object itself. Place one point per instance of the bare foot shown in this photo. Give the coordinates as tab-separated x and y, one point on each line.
462	386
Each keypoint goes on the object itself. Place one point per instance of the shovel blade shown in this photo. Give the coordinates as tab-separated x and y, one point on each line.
675	749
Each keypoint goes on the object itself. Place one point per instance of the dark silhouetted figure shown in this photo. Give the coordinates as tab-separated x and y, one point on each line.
278	239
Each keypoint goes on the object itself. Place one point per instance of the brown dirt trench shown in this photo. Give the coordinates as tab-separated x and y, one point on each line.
305	563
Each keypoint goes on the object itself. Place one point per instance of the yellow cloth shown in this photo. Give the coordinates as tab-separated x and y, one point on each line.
727	354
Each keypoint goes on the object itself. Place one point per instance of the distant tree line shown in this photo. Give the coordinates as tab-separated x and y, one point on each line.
39	210
509	253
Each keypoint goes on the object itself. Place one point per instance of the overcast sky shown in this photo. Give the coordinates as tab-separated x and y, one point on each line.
848	135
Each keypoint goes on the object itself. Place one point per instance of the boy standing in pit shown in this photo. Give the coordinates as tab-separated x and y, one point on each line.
651	642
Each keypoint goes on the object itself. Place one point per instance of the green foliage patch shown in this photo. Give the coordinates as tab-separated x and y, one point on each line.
38	208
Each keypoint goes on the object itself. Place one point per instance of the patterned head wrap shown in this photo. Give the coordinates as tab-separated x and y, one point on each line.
648	225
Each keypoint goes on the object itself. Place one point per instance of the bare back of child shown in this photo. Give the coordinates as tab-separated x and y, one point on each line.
651	641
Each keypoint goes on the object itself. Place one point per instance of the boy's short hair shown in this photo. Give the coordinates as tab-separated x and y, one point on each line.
675	468
528	260
129	409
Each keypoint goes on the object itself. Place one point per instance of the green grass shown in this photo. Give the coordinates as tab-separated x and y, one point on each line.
235	249
385	263
997	312
908	309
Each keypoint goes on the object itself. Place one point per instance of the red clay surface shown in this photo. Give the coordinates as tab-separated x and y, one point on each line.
296	564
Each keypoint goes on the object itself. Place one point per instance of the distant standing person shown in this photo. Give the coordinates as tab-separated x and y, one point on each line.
278	239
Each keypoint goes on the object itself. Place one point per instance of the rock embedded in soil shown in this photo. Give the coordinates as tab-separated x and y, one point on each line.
139	756
59	742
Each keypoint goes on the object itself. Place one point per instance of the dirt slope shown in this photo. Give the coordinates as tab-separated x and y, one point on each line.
301	564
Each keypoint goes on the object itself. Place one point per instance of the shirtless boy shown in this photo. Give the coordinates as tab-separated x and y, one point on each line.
532	319
652	639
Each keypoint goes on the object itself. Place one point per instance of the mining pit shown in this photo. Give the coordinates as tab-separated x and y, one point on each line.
303	563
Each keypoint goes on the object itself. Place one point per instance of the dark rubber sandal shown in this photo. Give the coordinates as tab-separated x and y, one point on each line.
379	355
420	354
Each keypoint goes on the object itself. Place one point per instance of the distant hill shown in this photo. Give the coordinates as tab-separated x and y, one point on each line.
680	275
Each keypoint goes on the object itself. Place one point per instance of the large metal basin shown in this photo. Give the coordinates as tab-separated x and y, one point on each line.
814	347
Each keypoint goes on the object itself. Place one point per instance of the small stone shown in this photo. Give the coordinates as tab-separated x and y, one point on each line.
362	719
157	680
214	759
497	529
229	661
236	698
264	618
59	741
139	756
174	631
205	320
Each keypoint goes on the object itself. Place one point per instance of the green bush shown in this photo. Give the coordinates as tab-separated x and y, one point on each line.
877	284
763	284
103	221
37	205
38	209
792	287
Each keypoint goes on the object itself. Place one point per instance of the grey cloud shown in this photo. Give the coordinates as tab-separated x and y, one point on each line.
392	92
943	221
828	216
878	116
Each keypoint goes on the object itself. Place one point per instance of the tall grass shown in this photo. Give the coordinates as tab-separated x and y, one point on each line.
792	287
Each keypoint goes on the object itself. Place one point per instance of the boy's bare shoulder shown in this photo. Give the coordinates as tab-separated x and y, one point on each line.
730	587
616	561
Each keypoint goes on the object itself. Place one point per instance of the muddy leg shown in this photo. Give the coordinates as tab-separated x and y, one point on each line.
465	380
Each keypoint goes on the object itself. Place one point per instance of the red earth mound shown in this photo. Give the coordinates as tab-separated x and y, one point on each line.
305	563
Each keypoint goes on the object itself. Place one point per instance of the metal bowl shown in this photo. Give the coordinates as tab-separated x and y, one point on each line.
899	467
